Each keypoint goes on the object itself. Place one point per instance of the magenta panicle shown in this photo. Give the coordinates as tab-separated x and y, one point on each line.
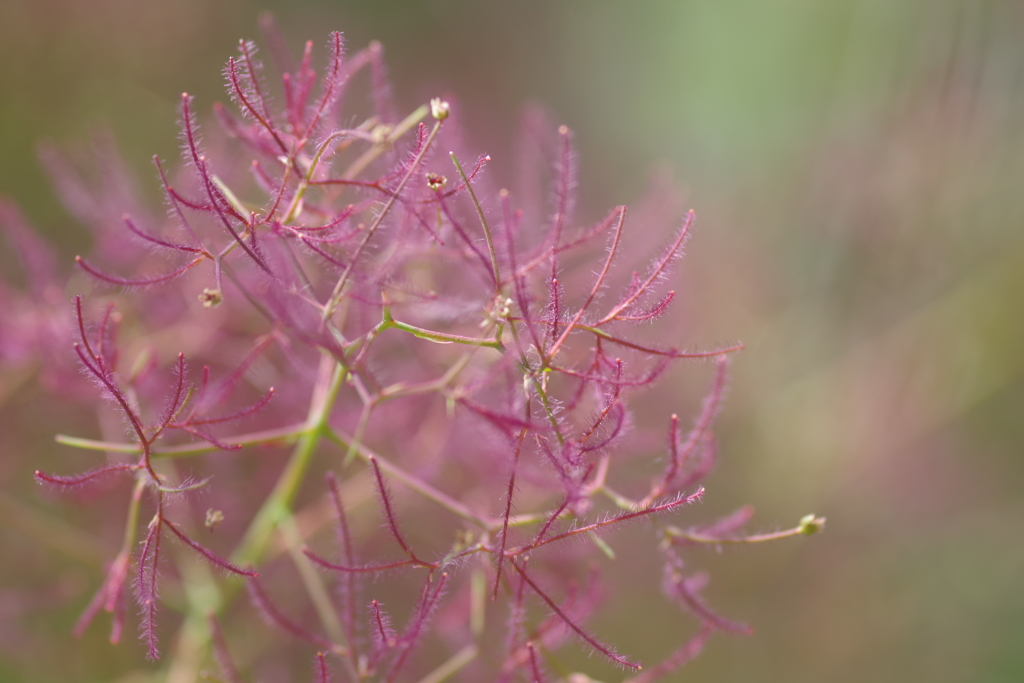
376	308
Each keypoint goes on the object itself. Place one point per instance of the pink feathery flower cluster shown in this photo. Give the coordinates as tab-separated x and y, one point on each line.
358	316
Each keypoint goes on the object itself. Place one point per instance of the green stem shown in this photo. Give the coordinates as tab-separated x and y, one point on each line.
537	386
435	385
801	530
534	518
478	598
90	444
203	598
444	337
281	435
401	129
483	222
300	192
452	666
314	583
132	524
234	201
617	498
276	508
357	438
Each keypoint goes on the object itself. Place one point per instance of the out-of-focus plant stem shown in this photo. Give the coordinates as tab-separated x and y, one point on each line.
276	508
275	513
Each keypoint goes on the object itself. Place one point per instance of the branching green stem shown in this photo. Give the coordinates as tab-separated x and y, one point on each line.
439	337
276	508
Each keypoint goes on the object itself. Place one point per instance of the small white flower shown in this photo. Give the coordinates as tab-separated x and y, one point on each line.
439	108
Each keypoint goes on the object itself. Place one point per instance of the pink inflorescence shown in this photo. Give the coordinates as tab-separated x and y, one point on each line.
466	364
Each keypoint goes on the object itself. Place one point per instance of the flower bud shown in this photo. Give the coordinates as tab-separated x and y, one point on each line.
439	109
213	518
809	524
436	182
211	298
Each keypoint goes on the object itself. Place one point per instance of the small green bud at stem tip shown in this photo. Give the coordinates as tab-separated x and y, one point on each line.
810	524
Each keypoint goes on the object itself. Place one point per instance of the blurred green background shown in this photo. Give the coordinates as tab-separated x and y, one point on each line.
857	167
